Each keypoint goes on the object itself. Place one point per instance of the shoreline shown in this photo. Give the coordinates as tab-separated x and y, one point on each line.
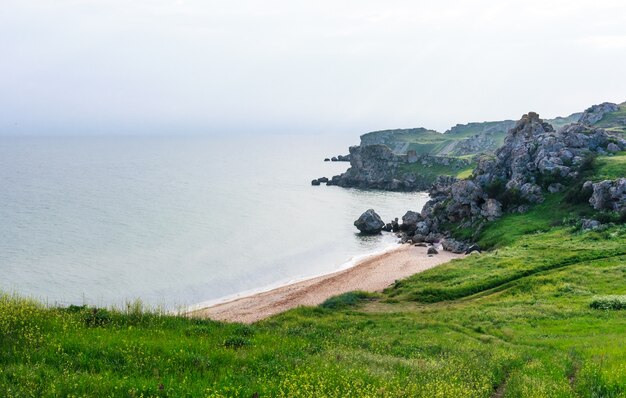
353	262
372	272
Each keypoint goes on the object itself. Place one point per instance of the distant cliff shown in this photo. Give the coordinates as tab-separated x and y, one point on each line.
412	159
378	167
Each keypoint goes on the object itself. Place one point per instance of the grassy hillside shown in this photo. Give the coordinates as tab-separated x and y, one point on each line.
516	321
459	170
420	139
431	142
610	167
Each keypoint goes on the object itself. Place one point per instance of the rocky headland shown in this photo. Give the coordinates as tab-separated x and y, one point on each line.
534	160
378	167
413	159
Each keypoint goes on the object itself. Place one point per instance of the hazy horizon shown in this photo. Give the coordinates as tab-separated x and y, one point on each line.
294	67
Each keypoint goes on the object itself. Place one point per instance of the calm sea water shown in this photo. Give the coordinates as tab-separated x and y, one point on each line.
175	221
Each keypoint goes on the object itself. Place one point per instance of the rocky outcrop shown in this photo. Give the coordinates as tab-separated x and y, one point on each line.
410	220
533	159
378	167
587	224
491	209
372	166
534	156
595	113
317	181
454	246
339	158
609	195
612	148
369	222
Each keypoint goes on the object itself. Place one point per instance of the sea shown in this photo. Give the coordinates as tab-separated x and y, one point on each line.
177	221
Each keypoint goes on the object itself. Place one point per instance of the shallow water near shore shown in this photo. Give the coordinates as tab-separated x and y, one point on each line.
175	221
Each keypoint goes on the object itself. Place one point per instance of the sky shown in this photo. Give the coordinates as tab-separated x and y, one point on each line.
301	67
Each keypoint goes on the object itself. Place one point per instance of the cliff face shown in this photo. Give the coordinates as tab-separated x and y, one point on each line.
399	137
378	167
480	143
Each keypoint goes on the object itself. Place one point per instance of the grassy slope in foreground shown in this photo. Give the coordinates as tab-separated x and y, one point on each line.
516	320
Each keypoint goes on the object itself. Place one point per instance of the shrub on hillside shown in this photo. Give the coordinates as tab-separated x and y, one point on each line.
346	300
576	194
608	303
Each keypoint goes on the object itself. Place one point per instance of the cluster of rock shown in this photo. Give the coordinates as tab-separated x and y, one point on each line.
338	158
533	159
378	167
320	180
412	230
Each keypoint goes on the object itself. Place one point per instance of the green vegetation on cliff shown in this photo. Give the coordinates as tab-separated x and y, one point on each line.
517	321
432	171
610	167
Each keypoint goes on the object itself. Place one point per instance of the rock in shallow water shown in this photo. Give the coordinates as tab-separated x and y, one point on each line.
369	222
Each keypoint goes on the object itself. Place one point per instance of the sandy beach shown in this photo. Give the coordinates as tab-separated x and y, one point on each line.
372	274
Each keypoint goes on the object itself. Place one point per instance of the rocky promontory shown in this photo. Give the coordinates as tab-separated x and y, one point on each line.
377	167
534	160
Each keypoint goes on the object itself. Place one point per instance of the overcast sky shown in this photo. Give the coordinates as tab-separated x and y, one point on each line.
289	66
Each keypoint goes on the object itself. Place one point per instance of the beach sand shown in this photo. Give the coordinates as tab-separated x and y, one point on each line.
372	274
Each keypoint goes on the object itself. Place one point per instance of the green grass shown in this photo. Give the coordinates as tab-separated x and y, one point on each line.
345	300
609	303
466	173
554	211
518	319
611	167
456	169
